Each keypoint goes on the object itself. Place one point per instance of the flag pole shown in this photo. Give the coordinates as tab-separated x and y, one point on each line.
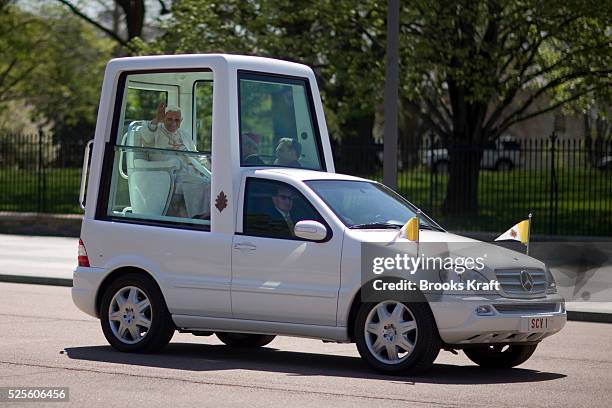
528	233
418	217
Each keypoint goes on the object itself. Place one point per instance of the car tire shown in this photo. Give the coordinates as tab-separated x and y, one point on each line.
244	340
411	327
500	356
129	305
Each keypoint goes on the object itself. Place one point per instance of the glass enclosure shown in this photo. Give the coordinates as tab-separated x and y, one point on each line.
277	124
162	166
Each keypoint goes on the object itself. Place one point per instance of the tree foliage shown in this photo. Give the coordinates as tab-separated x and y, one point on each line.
475	68
52	61
128	19
339	39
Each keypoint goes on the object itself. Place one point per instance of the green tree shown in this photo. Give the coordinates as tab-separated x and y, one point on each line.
341	40
472	69
22	41
128	19
53	63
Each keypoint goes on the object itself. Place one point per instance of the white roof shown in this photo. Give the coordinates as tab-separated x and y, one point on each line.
304	174
207	60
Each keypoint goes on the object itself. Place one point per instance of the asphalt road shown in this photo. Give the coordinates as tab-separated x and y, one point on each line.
46	341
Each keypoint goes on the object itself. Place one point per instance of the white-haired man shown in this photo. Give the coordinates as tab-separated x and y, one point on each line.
164	132
192	178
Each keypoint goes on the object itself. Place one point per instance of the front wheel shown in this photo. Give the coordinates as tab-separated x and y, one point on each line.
500	356
244	340
395	337
134	315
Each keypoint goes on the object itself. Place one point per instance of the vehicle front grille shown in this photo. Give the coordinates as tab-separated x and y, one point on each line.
527	307
522	282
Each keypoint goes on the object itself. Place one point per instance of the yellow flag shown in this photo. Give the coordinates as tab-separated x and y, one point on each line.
519	232
410	230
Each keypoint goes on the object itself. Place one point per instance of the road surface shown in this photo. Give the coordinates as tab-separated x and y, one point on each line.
46	341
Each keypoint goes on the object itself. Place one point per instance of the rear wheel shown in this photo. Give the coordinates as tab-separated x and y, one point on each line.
395	337
244	339
134	315
500	356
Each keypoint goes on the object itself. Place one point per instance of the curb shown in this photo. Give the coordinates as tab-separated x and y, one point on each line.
36	280
40	224
592	317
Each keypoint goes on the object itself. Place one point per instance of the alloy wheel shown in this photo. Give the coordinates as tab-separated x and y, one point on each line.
130	315
390	332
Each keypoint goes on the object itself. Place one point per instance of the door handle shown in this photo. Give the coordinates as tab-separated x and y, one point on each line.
245	246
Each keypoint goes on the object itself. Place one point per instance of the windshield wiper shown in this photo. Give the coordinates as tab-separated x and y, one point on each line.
376	225
430	227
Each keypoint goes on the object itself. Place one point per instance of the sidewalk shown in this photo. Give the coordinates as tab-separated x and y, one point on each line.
39	260
51	261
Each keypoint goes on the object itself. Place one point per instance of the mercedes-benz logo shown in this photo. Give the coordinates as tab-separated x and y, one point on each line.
526	281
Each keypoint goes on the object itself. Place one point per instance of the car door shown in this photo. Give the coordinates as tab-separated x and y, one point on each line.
275	275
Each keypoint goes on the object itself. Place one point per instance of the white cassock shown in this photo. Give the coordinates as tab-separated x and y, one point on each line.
192	179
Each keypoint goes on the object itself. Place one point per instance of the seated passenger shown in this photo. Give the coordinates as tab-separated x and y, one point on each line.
192	178
279	212
288	152
250	149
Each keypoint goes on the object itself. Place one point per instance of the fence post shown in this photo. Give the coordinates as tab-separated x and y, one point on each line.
431	174
39	175
552	221
42	182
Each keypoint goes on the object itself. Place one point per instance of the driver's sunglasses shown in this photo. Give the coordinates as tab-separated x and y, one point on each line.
285	197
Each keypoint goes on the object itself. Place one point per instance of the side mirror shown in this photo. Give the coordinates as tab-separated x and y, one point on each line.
310	230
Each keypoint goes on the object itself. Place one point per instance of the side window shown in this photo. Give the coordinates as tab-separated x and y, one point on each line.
162	162
202	107
141	102
272	209
277	125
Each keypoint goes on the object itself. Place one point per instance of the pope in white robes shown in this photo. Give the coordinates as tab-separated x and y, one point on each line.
192	179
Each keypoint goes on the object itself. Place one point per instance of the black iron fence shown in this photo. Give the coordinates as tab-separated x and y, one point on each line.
38	174
566	184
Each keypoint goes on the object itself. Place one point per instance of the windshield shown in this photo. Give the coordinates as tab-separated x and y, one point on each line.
363	204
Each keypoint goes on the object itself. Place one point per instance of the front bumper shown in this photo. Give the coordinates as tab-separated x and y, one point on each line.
459	323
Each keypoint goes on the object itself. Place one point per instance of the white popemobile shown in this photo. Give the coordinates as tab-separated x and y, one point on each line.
246	231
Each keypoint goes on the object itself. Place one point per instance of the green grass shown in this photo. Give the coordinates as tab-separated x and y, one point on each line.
26	191
584	205
584	200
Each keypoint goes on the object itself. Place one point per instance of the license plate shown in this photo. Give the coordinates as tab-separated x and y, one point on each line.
536	324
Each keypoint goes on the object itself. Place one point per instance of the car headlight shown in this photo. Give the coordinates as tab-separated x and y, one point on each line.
551	285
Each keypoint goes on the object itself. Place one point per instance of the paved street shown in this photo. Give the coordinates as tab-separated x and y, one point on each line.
46	341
